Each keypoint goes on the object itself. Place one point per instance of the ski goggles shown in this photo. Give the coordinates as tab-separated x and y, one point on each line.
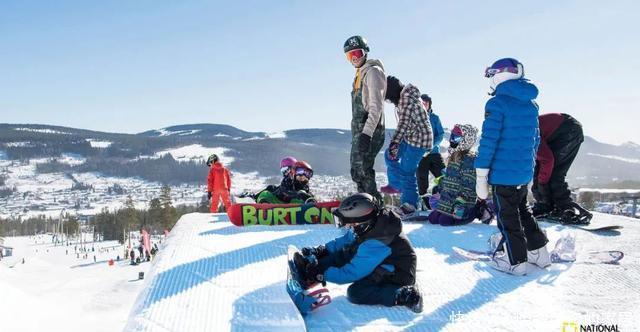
304	171
490	72
284	170
455	138
355	54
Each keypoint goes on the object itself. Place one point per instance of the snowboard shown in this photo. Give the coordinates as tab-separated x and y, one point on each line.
610	229
595	257
305	300
249	214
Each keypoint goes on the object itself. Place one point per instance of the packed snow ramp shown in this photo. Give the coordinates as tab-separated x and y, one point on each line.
213	276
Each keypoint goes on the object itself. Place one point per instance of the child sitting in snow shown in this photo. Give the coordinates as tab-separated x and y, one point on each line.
457	186
294	191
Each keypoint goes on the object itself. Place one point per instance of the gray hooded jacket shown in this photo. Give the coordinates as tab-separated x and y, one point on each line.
374	87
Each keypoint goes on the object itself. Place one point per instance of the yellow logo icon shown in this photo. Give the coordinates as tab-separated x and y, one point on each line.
569	327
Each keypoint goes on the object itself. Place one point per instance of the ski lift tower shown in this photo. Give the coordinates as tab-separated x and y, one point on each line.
634	199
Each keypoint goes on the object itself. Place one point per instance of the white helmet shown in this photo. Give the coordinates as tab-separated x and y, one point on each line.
503	70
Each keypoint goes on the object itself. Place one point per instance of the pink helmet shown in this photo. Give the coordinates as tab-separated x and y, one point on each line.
287	162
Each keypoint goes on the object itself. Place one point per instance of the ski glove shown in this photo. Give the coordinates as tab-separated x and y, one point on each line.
313	275
208	195
393	151
319	251
364	143
482	183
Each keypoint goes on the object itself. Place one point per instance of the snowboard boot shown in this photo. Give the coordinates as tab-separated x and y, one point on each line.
410	297
569	216
425	202
304	266
539	257
407	208
500	261
541	209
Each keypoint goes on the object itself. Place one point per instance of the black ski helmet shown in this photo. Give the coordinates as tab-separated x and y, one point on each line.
354	43
213	158
357	208
425	97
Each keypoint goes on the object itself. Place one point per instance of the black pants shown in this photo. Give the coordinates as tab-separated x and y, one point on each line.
431	163
372	289
519	229
564	143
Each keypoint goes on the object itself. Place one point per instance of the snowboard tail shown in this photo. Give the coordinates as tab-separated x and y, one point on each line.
282	214
586	227
595	257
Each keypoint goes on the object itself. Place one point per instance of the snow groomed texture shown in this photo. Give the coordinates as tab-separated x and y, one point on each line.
282	214
214	276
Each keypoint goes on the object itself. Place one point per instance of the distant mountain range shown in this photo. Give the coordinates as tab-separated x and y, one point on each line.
326	149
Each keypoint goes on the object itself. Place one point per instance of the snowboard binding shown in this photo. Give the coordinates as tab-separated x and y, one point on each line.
298	287
576	214
306	267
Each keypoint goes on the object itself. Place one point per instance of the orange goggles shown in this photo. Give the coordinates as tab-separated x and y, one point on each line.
355	54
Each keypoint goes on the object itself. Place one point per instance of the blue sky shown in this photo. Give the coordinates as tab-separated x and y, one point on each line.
130	66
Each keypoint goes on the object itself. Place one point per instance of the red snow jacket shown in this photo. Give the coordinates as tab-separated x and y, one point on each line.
219	178
549	123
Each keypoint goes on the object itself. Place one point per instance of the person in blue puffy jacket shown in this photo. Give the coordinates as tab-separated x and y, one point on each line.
506	158
374	255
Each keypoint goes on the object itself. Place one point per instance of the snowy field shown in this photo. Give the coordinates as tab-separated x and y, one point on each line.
57	290
213	276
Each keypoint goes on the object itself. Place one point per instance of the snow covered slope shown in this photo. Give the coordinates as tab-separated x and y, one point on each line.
213	276
56	289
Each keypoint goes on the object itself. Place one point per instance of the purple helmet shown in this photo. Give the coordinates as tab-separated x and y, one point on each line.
503	70
288	162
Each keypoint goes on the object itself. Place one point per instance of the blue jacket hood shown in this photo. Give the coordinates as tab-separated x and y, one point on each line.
520	89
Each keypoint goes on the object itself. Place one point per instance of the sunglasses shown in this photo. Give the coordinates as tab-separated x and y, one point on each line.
489	72
303	171
356	54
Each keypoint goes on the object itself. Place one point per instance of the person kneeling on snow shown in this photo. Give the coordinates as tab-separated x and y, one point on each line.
560	139
295	192
374	255
458	203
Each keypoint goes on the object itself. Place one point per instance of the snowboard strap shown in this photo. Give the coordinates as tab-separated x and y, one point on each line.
322	296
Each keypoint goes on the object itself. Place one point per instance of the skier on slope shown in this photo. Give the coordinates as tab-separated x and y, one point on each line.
374	255
412	138
218	183
367	119
560	139
432	160
510	138
296	191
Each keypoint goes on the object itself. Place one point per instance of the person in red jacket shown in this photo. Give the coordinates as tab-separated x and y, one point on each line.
218	183
560	139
